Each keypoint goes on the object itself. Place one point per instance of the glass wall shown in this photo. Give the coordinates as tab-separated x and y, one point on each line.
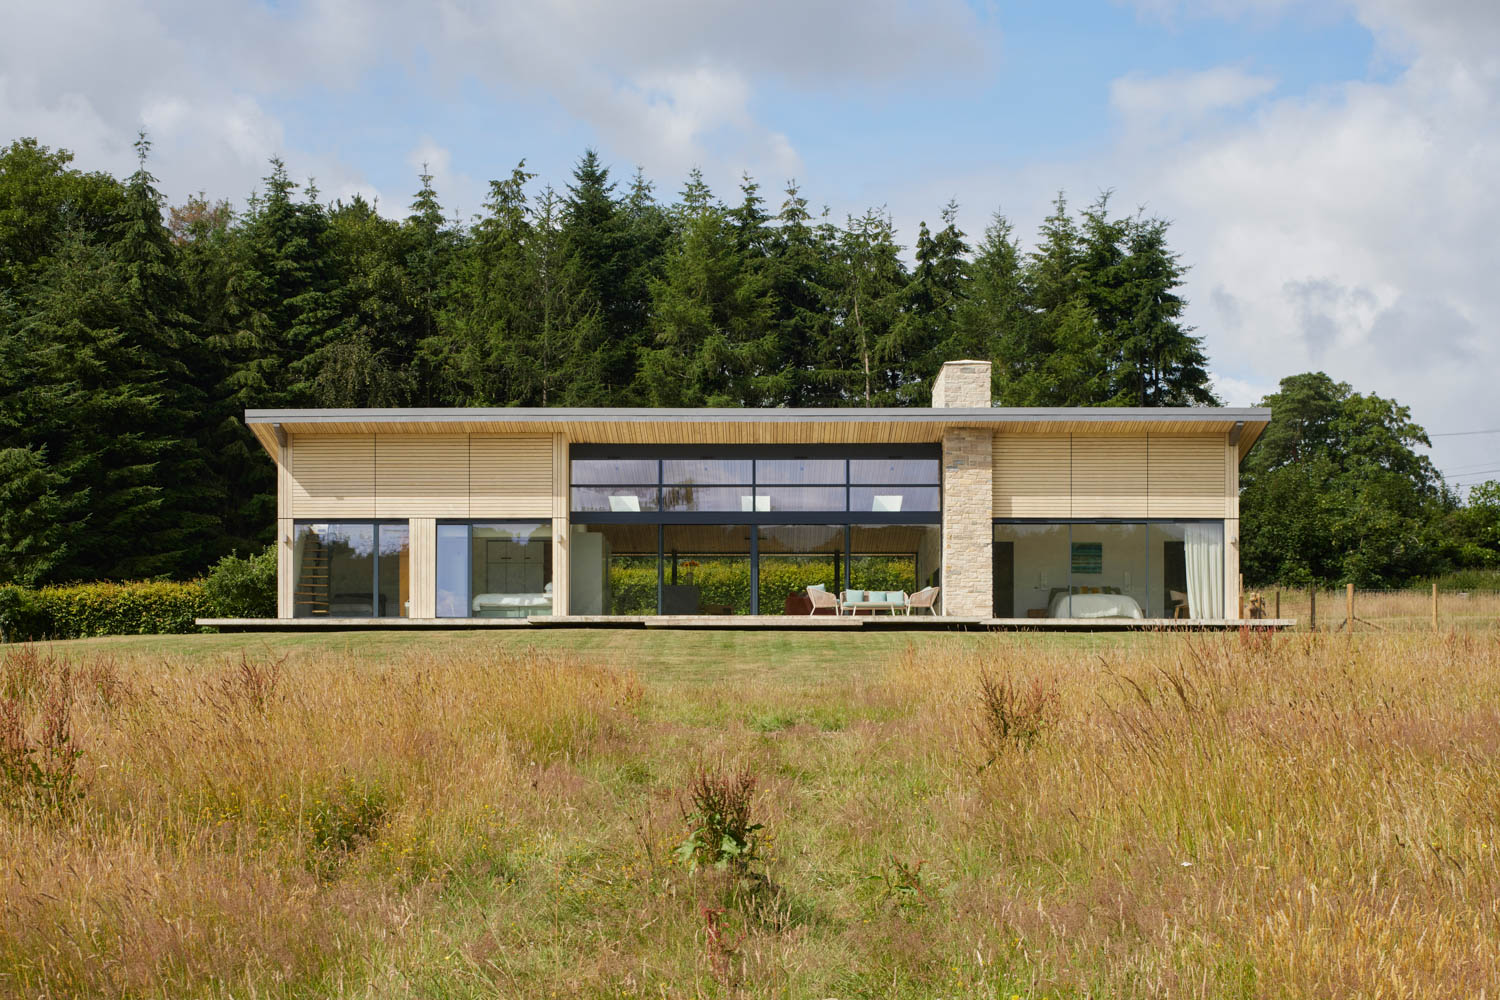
494	569
894	485
778	482
1083	569
894	556
393	571
453	571
1187	571
706	569
747	529
1108	567
616	485
794	557
612	569
351	569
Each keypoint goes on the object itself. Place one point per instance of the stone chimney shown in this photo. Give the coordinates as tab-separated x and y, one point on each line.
968	493
963	384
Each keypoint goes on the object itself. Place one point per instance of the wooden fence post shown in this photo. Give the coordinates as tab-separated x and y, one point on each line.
1349	608
1241	608
1434	607
1278	603
1312	608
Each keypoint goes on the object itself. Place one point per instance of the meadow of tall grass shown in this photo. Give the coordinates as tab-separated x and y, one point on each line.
1207	816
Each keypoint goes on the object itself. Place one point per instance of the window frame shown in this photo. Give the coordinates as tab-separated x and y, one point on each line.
1144	522
846	454
469	523
376	523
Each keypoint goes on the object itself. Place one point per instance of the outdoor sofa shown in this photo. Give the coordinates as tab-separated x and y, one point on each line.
852	601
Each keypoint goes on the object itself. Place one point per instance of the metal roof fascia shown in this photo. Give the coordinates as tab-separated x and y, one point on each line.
1080	414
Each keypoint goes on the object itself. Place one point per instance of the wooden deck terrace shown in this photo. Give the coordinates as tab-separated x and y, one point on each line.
751	623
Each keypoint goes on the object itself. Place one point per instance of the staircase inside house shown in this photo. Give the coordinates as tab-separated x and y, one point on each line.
312	595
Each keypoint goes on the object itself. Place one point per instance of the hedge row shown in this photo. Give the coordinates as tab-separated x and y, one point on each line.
92	609
237	587
726	581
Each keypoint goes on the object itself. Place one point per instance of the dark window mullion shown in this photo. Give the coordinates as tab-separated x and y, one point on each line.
374	573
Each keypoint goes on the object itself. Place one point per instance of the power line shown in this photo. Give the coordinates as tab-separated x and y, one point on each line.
1449	434
1459	470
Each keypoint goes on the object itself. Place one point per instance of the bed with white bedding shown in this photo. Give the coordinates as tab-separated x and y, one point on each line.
1094	606
511	605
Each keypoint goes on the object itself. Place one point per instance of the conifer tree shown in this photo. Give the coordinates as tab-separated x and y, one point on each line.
32	517
1165	361
489	315
801	262
279	308
151	299
597	236
710	311
431	245
367	358
926	333
994	321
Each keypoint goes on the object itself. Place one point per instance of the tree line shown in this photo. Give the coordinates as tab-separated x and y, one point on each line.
134	333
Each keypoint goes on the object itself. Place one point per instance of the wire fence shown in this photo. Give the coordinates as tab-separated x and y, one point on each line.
1374	610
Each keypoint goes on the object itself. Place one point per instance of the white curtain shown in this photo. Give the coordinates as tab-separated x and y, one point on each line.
1204	548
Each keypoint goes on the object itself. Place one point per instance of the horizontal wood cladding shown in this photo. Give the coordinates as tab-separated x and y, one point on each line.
358	476
333	476
1032	476
1188	476
1115	476
422	475
510	476
1109	476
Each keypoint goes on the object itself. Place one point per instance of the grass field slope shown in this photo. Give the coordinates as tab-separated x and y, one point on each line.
611	814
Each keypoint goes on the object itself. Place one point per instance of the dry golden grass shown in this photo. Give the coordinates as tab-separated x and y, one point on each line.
1243	815
1391	610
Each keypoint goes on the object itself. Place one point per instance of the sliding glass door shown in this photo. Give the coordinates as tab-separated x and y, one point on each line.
1109	569
494	569
351	569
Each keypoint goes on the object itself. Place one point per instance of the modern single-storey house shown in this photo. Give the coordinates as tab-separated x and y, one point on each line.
1028	514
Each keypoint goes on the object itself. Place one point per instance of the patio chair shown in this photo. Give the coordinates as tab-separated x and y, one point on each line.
925	598
821	598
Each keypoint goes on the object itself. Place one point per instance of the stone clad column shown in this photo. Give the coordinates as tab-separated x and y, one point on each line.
968	493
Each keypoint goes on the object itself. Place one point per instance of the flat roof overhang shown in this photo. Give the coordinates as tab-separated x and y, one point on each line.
906	425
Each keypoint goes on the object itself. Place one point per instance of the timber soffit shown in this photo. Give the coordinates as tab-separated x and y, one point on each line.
613	425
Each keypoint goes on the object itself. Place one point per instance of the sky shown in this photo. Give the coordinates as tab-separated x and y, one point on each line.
1329	167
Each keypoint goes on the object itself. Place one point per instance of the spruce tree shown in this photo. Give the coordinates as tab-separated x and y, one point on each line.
152	297
926	334
710	312
801	265
367	359
1164	359
994	321
597	238
487	333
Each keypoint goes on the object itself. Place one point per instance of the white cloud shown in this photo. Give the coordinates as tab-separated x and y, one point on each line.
1349	230
1186	95
667	84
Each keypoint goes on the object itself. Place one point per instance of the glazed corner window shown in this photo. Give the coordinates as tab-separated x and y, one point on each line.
494	569
351	569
